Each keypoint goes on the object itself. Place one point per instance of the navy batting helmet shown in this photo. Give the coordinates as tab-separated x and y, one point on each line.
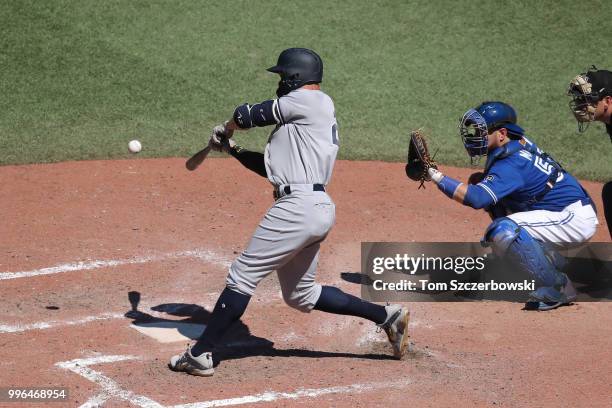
297	67
476	124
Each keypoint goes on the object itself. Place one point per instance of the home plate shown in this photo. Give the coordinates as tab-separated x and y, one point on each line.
170	332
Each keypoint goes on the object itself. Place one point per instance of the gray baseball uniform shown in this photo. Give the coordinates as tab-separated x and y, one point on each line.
298	161
300	153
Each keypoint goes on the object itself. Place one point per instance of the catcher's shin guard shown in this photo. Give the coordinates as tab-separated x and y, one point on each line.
508	239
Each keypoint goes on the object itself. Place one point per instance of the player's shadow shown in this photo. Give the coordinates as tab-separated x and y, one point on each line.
192	325
591	278
357	277
231	353
237	343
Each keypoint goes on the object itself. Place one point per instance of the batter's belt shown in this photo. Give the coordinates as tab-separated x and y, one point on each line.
286	189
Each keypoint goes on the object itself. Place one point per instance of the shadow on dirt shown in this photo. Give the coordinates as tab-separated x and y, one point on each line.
357	277
237	343
191	326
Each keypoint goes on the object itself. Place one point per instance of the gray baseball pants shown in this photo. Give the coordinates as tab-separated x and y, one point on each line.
287	240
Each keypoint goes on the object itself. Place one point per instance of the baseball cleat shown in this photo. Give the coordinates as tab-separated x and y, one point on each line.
201	365
396	327
547	298
543	306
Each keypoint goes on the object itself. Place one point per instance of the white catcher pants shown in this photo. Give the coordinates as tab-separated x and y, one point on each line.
575	224
287	240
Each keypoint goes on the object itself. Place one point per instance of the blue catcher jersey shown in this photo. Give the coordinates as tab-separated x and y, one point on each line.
516	180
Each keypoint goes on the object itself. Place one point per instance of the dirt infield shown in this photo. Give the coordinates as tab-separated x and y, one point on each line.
77	237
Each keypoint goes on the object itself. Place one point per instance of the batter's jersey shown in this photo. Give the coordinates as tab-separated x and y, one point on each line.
302	148
515	180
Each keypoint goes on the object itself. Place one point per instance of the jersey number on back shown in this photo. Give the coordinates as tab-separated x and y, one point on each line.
546	167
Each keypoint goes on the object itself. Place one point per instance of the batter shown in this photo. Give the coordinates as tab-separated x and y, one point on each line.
298	161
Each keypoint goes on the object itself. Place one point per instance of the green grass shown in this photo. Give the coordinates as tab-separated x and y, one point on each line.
79	79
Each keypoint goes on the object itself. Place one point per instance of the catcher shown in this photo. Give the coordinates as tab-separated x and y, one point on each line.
591	101
535	204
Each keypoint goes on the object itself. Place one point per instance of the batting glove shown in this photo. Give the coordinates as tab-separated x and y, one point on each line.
221	143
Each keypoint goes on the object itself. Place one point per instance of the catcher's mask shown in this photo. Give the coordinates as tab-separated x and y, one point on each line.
585	91
476	125
297	67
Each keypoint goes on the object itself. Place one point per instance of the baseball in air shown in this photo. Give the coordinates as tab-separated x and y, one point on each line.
134	146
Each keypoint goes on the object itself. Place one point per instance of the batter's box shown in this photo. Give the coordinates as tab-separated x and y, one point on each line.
111	390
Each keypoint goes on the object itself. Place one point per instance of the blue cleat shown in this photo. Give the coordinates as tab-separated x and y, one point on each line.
548	298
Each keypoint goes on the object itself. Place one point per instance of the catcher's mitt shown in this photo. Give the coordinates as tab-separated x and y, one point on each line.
419	159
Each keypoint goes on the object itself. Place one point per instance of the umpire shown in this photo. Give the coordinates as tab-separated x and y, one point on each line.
591	101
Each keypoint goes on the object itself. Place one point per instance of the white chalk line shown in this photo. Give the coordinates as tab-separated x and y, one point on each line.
51	324
111	389
96	401
205	255
5	328
271	396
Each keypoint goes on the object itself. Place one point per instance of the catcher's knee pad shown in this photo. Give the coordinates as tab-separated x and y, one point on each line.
500	234
509	239
304	299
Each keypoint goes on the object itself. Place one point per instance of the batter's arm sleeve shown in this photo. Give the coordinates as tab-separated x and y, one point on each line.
261	114
253	161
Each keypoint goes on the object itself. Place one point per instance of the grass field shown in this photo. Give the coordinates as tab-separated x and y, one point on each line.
81	78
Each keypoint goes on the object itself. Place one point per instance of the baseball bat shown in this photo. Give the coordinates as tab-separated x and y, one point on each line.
197	159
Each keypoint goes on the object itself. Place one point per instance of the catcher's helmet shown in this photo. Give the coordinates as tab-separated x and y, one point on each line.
297	67
500	115
476	124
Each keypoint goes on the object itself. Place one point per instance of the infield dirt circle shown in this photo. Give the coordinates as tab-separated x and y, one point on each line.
77	237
